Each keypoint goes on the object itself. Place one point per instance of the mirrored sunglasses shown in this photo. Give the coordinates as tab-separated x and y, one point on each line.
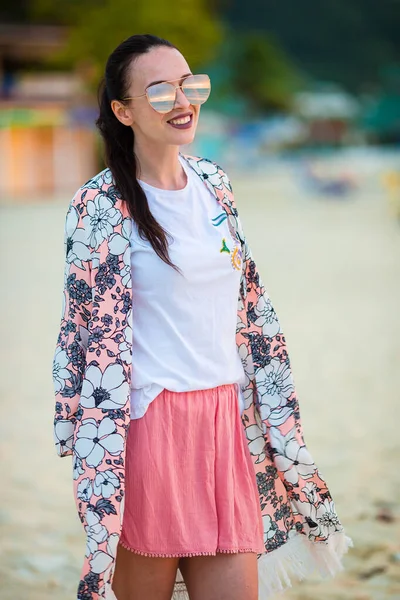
162	96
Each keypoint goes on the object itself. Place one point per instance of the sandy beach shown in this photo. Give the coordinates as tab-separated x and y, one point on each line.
331	266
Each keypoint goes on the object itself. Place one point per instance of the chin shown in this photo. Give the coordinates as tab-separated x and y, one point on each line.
189	138
183	140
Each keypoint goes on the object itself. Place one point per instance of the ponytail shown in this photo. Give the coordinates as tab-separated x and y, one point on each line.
119	141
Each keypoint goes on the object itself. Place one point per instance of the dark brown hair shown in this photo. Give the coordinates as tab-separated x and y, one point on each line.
119	139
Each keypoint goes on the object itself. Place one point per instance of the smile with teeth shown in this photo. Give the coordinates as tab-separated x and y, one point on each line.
181	121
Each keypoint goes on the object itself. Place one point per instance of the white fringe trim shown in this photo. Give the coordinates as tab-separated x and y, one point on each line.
299	558
180	591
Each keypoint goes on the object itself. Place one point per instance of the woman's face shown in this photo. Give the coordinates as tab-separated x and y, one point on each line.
159	64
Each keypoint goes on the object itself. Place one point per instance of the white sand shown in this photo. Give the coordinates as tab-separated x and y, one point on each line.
332	270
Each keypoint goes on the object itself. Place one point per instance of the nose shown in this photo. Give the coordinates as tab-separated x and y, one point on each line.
181	99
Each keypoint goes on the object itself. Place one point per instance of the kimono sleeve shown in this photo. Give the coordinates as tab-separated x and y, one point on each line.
69	359
273	385
307	507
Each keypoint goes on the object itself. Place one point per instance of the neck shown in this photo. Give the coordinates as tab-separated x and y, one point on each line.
160	167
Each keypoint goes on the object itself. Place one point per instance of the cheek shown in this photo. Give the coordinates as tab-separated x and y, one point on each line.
148	120
196	112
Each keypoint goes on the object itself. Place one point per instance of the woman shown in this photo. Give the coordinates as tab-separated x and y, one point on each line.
174	392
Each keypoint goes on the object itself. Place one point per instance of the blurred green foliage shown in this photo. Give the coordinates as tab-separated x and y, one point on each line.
97	27
250	74
346	41
262	72
251	65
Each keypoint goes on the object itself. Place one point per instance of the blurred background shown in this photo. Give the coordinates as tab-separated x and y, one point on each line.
304	114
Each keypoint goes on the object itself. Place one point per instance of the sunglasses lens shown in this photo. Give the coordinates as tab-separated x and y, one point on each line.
197	88
161	97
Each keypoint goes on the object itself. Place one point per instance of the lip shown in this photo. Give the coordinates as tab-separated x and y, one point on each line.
181	116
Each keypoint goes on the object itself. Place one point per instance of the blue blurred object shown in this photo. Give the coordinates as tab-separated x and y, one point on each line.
339	186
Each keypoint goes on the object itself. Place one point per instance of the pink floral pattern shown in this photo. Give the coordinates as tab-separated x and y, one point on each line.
92	374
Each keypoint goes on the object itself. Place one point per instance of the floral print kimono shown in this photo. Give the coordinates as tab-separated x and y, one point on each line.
92	374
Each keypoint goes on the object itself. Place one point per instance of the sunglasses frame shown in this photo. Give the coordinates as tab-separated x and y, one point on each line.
171	83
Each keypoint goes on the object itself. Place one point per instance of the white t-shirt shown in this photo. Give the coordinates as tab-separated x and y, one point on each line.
184	326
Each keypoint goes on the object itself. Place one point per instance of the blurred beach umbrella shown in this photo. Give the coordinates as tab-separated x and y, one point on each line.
328	102
282	130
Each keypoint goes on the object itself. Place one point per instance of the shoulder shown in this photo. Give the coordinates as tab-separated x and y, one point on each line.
210	170
92	203
100	187
98	184
204	165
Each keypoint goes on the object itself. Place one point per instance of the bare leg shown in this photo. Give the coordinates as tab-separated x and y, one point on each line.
138	577
222	577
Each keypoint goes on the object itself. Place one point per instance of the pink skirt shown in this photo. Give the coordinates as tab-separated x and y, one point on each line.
190	482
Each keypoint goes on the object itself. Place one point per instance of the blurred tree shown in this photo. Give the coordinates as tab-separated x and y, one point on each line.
60	12
262	72
347	41
98	26
15	12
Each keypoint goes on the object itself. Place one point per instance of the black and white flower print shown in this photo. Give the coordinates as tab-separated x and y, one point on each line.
125	345
266	317
106	177
77	467
275	388
245	357
108	390
63	433
269	527
77	251
256	442
208	171
93	440
106	483
100	220
83	337
96	533
60	372
119	245
85	489
310	490
322	518
240	324
327	518
236	226
293	459
101	560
